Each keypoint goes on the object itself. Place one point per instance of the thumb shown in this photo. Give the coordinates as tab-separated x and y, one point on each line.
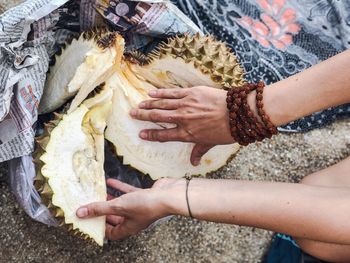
97	209
198	151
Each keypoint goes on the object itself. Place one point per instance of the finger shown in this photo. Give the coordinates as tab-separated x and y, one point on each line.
165	104
116	232
123	187
153	115
114	220
198	151
169	93
98	209
164	135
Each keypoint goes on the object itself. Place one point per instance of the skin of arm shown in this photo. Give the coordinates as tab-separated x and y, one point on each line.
279	207
320	87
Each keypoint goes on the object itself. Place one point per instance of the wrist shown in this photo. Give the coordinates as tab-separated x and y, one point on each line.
172	196
277	103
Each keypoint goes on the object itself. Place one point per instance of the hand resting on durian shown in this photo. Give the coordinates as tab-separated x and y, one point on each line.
185	107
316	212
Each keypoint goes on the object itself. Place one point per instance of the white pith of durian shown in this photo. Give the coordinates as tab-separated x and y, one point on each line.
56	91
73	164
170	159
98	68
84	64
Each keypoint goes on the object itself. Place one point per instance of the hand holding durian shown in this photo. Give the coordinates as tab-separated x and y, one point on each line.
70	154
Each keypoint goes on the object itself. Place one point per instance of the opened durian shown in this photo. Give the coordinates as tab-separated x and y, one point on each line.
183	62
86	62
70	159
70	170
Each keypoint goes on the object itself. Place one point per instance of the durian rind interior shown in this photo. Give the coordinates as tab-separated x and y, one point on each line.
83	64
72	165
183	62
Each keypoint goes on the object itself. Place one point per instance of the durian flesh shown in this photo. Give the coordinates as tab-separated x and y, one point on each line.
72	165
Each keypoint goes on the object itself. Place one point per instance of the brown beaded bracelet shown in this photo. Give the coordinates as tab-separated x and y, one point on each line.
244	125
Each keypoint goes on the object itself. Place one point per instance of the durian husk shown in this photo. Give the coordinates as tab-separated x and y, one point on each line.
40	182
76	67
96	110
212	63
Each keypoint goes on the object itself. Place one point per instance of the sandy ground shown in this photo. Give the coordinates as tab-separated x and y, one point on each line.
285	158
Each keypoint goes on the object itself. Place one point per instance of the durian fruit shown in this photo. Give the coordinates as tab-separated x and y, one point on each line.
190	61
182	62
85	62
70	154
70	159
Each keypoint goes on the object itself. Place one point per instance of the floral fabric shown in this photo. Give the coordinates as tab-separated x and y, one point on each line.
275	39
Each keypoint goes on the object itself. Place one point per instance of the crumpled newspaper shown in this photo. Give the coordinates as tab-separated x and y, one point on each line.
29	35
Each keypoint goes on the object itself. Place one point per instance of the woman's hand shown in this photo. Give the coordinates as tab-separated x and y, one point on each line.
200	114
134	211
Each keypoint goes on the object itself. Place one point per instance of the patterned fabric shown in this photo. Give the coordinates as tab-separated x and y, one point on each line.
275	39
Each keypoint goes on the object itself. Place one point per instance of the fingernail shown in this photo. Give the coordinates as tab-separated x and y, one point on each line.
82	212
133	112
196	161
142	105
152	93
143	135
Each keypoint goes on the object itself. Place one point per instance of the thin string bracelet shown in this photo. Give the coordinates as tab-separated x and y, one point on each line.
188	179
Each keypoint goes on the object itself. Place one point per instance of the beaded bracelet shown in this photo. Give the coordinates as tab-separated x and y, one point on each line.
244	126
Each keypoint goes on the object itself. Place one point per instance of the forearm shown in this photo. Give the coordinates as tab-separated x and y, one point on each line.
319	87
316	213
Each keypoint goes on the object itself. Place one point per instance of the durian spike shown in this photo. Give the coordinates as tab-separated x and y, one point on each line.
49	125
58	115
201	50
37	161
220	69
46	190
55	122
208	64
197	36
39	177
59	212
107	41
43	141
